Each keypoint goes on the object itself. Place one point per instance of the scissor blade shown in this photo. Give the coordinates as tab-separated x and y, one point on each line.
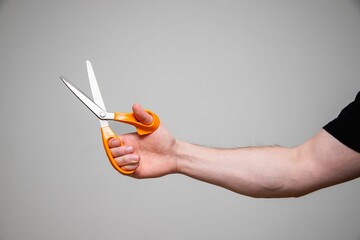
94	86
95	90
98	111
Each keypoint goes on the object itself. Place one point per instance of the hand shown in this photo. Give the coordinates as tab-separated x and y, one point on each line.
150	155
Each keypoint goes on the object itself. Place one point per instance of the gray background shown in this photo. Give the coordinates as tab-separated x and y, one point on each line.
218	73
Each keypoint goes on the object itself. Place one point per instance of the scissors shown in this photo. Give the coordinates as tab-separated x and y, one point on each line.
98	108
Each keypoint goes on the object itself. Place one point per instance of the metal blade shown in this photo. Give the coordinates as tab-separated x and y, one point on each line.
95	90
98	111
94	86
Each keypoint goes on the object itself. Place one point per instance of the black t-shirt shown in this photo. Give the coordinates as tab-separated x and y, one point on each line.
346	127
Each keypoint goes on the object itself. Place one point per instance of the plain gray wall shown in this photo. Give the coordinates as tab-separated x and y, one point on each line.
218	73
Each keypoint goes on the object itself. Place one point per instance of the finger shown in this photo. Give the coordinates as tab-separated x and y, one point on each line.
141	115
120	151
132	167
114	142
126	160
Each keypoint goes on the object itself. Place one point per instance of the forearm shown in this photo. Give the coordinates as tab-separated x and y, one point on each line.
320	162
254	171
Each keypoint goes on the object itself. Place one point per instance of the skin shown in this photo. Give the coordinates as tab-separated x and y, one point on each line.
261	172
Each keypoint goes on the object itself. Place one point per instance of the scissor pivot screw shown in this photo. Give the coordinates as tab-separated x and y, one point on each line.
102	114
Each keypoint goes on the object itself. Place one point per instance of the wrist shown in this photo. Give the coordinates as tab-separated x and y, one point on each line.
185	157
177	156
180	156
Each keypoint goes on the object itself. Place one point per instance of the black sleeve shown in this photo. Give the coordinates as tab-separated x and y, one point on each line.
346	127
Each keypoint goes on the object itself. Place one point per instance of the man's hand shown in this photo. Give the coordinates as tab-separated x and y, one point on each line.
150	155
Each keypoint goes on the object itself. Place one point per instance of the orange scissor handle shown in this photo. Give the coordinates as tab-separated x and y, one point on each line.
142	129
107	133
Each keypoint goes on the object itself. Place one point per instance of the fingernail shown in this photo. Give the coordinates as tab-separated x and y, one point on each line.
129	149
114	142
135	158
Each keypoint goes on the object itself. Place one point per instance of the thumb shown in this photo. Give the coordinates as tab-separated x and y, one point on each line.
141	115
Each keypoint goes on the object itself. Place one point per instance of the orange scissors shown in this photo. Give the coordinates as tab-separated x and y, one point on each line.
98	108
